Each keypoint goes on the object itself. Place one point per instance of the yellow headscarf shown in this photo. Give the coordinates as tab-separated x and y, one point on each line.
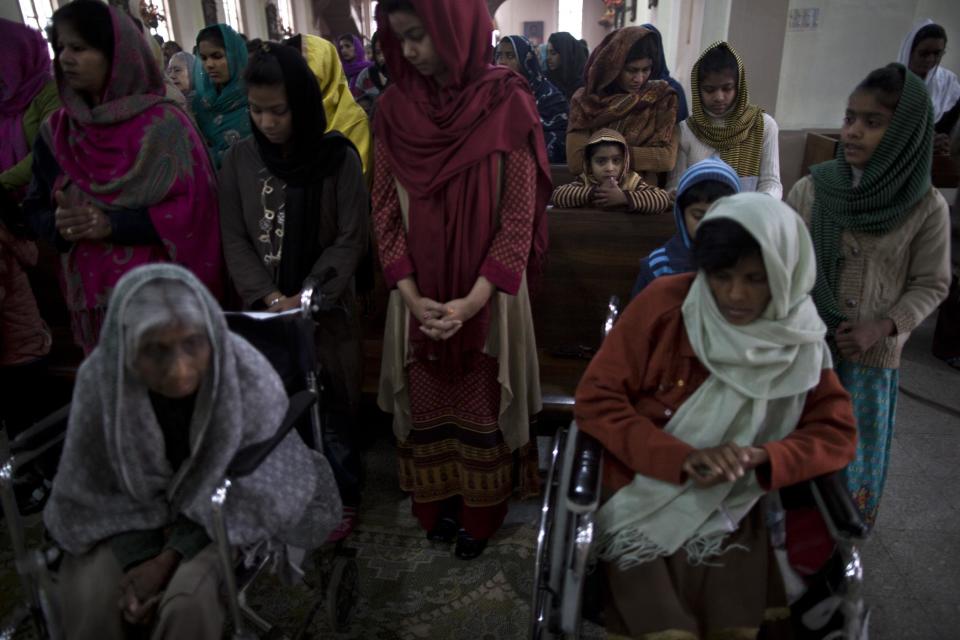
342	111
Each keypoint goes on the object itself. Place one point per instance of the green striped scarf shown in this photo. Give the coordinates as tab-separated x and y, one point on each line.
893	182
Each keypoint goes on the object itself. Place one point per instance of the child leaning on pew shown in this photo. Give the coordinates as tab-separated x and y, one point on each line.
701	185
607	181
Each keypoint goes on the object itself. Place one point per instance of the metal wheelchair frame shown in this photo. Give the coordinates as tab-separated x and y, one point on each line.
572	495
33	565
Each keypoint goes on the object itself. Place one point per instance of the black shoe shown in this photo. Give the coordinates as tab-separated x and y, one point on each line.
444	531
468	547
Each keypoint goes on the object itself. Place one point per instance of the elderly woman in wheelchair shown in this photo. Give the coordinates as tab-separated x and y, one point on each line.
713	388
160	409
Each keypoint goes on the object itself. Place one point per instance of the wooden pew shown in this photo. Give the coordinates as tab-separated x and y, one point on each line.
560	174
592	255
821	147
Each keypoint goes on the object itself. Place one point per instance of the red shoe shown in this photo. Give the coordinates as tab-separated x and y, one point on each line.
346	525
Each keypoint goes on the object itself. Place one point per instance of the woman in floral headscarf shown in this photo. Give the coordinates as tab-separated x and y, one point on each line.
620	94
220	99
121	177
516	53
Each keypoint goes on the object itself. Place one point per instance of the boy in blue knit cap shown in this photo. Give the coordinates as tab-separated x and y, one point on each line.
700	185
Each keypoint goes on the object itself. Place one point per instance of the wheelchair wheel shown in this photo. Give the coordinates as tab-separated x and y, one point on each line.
342	593
544	596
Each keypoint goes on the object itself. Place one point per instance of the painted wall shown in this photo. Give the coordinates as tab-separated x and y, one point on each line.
303	21
756	30
822	66
187	22
254	19
10	10
592	31
513	13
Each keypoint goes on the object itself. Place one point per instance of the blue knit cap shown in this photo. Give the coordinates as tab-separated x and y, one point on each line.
709	169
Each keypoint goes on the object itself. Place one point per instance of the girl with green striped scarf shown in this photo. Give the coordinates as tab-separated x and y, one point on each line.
881	233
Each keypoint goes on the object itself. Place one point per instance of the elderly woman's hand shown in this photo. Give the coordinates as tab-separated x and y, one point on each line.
725	463
142	586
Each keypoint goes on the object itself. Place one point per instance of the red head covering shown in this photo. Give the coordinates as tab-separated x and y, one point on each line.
443	144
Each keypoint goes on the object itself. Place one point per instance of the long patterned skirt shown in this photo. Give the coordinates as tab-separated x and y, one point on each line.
874	394
455	449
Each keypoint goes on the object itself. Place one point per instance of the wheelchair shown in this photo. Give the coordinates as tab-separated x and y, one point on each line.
286	340
567	588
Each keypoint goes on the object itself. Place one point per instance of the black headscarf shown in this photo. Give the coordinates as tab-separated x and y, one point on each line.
377	69
314	156
568	77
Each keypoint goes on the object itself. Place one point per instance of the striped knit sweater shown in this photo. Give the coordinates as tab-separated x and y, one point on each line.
643	198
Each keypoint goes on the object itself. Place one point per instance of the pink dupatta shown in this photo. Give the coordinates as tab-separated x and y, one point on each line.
137	149
24	72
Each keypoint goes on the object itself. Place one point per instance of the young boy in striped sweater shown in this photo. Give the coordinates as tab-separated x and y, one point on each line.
608	183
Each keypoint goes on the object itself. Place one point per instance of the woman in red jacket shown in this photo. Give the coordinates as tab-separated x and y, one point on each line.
714	388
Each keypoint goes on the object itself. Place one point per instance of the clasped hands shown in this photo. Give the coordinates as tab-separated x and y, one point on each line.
80	222
141	588
608	194
442	320
725	463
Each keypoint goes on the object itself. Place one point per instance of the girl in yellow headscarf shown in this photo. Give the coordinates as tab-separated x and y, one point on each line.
342	111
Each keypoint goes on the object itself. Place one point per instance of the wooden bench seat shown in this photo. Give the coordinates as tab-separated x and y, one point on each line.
592	255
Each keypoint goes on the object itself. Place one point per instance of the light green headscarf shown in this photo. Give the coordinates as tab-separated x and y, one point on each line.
760	376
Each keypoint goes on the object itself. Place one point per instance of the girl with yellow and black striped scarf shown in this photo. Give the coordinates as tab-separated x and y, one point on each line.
725	124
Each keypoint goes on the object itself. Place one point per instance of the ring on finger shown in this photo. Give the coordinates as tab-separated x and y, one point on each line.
69	231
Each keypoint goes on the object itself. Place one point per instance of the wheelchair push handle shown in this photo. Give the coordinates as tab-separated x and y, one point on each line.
839	506
312	299
585	476
613	312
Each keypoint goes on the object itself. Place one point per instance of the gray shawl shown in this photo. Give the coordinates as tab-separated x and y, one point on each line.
114	476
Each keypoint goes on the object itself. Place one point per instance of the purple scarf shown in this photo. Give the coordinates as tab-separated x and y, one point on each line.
359	62
24	72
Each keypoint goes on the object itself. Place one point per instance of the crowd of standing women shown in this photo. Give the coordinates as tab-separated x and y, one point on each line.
255	166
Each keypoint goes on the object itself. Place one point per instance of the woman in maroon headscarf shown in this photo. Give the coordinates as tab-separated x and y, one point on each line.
459	199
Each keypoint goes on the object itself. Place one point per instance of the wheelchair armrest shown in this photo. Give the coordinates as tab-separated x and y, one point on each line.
839	506
250	457
42	432
585	475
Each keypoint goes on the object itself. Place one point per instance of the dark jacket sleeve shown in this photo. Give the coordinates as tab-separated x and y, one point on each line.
824	441
251	278
132	227
128	226
644	278
187	538
135	547
353	228
38	205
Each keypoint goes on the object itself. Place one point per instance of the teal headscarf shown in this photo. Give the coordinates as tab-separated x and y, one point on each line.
222	117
